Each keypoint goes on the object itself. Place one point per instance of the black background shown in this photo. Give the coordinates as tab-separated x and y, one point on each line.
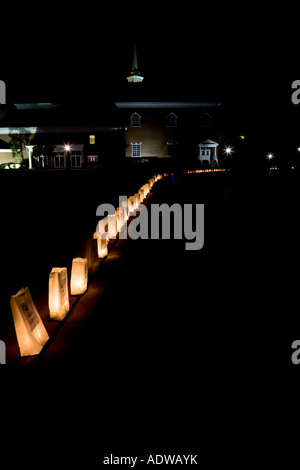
246	57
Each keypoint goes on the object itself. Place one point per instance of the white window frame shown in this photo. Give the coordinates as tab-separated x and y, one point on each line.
76	156
92	158
60	156
136	145
206	152
43	161
135	120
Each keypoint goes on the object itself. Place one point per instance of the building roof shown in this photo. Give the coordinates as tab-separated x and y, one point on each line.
167	104
208	143
87	116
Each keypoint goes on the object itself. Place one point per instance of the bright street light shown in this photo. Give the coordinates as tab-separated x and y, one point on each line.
228	150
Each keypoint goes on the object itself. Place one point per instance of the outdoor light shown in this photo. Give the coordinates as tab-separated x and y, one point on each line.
67	148
121	217
102	226
298	149
270	156
124	204
131	204
58	297
101	238
30	330
112	226
91	255
79	276
141	194
228	150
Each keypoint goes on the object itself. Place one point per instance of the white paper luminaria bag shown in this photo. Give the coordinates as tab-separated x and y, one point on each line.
91	254
30	330
58	293
79	276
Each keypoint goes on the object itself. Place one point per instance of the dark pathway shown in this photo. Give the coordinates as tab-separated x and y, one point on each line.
185	350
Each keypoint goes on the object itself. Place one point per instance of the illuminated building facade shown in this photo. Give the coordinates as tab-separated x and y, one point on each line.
164	128
136	125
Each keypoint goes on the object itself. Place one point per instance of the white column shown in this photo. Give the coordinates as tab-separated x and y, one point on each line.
29	149
215	156
200	156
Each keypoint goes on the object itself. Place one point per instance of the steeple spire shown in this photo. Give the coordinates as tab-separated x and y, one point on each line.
135	75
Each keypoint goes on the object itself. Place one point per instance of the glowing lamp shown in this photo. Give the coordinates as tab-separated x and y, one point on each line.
30	330
91	254
228	150
121	215
146	188
118	219
142	194
58	297
112	226
125	215
137	200
124	204
102	226
79	276
131	204
101	238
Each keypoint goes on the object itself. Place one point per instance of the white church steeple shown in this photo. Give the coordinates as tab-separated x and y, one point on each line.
135	76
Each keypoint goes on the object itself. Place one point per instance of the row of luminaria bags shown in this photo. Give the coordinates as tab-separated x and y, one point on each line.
30	330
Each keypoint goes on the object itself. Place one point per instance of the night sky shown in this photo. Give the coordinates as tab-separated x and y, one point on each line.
242	55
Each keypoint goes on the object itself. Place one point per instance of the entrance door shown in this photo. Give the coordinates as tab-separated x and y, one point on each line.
206	153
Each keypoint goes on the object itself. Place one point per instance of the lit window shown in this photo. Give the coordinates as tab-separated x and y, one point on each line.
92	158
136	150
135	120
92	139
172	120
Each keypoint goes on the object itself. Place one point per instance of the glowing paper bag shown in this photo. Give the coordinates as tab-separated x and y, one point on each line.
102	226
101	238
91	255
30	330
79	276
112	226
58	293
124	204
131	204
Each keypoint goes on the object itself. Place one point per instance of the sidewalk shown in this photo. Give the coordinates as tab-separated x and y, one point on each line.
168	349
